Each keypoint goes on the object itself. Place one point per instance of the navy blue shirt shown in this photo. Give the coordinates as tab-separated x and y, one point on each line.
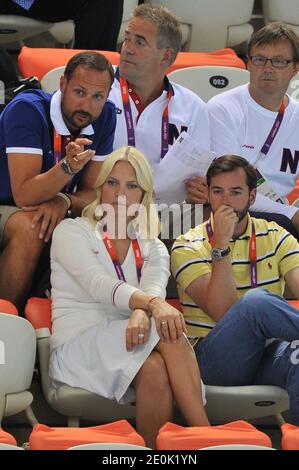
26	127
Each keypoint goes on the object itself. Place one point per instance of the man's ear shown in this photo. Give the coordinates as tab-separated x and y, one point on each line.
252	196
62	83
167	57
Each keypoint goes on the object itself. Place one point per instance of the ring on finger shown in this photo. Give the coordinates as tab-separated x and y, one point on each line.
163	323
141	335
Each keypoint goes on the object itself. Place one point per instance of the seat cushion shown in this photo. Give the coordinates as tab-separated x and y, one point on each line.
224	57
38	61
290	437
6	438
49	438
174	437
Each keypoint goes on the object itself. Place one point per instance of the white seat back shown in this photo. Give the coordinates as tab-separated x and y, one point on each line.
286	11
208	81
17	357
212	24
237	447
293	88
15	28
129	6
108	446
50	81
4	446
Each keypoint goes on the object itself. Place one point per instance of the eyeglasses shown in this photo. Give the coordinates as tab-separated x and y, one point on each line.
260	61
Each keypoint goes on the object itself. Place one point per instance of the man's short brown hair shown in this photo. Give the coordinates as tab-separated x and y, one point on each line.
274	33
229	163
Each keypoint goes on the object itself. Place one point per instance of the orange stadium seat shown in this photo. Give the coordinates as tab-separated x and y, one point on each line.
222	57
290	437
174	437
38	61
294	194
6	438
49	438
38	312
7	307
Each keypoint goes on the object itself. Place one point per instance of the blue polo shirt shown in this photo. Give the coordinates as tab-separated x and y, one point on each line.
26	126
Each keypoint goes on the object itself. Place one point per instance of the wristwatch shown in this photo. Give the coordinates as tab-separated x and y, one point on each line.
218	253
66	167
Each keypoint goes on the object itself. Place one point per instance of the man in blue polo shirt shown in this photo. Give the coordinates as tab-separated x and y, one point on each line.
49	146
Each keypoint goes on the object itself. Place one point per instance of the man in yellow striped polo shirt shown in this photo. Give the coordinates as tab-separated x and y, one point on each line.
231	272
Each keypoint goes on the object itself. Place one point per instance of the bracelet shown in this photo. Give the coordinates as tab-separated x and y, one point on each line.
67	198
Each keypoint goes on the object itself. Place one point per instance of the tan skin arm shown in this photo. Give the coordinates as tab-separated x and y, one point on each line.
216	292
292	281
29	187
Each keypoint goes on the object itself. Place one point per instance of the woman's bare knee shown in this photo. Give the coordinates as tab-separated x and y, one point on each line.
153	373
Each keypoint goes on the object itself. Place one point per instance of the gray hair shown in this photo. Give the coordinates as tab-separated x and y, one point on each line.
168	25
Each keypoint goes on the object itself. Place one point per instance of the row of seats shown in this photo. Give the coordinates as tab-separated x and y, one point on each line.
222	24
219	24
121	435
204	80
18	357
39	61
206	74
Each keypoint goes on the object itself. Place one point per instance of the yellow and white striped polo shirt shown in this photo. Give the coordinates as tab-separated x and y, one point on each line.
277	253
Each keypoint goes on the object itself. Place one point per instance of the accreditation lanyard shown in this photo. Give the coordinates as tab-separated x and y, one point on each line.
252	251
59	152
129	119
110	246
275	128
57	144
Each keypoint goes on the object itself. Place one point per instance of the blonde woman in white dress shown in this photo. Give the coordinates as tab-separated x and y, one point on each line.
113	332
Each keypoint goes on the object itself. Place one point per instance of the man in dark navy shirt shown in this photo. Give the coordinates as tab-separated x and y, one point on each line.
50	145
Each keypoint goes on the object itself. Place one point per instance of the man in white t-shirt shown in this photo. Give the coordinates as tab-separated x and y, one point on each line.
260	122
157	111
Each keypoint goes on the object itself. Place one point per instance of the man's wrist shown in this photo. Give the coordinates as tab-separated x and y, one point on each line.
219	253
66	167
68	200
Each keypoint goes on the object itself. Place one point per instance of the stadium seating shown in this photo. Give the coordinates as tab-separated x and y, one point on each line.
38	61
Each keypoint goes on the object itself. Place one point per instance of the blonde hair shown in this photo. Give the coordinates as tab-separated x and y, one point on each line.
148	222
